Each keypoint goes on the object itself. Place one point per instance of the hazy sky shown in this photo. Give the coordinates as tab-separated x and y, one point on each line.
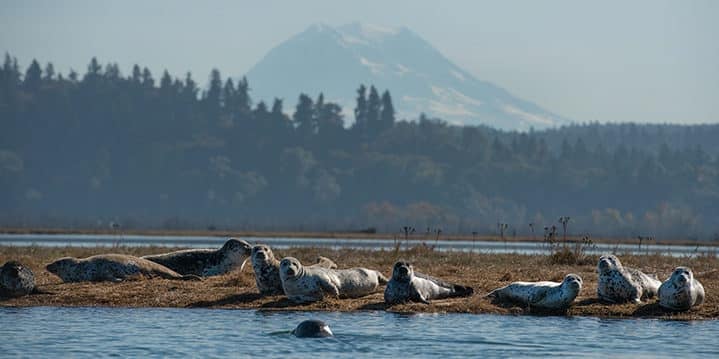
643	61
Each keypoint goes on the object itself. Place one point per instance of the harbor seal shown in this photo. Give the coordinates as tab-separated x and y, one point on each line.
540	295
110	267
16	280
406	285
206	262
681	291
309	284
267	269
619	284
312	329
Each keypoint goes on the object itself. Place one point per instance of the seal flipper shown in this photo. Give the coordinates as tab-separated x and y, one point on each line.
329	288
381	278
190	277
416	296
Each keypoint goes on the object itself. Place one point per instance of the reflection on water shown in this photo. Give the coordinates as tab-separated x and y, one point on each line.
157	332
279	242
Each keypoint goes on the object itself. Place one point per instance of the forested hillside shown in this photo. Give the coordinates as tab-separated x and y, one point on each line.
86	149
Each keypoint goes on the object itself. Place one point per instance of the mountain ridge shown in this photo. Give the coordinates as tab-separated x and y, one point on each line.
335	60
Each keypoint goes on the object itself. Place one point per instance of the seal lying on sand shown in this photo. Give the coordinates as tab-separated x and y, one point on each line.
540	295
619	284
309	284
406	285
110	267
312	329
681	291
206	262
16	280
267	269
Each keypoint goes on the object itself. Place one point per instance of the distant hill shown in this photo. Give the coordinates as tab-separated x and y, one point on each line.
336	60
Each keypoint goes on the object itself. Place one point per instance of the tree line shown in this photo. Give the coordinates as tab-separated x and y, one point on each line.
84	150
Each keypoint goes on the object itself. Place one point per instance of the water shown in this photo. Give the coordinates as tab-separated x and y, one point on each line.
283	243
159	332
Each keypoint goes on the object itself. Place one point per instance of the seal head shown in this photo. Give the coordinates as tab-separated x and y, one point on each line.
681	291
16	280
312	329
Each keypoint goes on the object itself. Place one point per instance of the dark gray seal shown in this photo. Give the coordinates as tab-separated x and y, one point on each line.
267	269
312	329
110	267
206	262
406	285
16	280
681	291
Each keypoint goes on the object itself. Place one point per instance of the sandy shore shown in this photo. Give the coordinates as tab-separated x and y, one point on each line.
483	272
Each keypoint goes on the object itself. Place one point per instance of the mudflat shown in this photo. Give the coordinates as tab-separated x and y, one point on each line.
484	272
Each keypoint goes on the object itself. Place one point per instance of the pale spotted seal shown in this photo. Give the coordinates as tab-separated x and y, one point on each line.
406	285
308	284
110	267
206	262
681	291
267	269
16	280
619	284
540	295
312	329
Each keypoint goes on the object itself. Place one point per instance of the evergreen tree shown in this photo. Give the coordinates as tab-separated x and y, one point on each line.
33	77
387	116
49	72
373	111
361	110
214	92
147	81
136	75
304	116
243	101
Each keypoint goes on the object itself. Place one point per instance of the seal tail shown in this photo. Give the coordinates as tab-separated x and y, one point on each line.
381	278
462	291
493	295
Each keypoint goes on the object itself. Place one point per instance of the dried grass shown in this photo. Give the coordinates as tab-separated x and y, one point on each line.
483	272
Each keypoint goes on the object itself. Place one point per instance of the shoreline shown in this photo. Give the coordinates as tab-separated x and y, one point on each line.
483	272
359	235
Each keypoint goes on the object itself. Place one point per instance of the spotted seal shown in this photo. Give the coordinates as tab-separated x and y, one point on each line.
406	285
681	291
309	284
206	262
312	328
619	284
16	280
540	295
267	269
110	267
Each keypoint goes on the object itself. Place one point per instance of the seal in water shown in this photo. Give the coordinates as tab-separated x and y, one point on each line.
16	280
206	262
110	267
681	291
406	285
540	295
312	329
309	284
619	284
267	269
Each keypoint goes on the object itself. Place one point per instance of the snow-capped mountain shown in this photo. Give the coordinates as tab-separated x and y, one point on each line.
336	61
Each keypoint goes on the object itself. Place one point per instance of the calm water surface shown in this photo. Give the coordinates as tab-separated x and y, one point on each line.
155	332
280	242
